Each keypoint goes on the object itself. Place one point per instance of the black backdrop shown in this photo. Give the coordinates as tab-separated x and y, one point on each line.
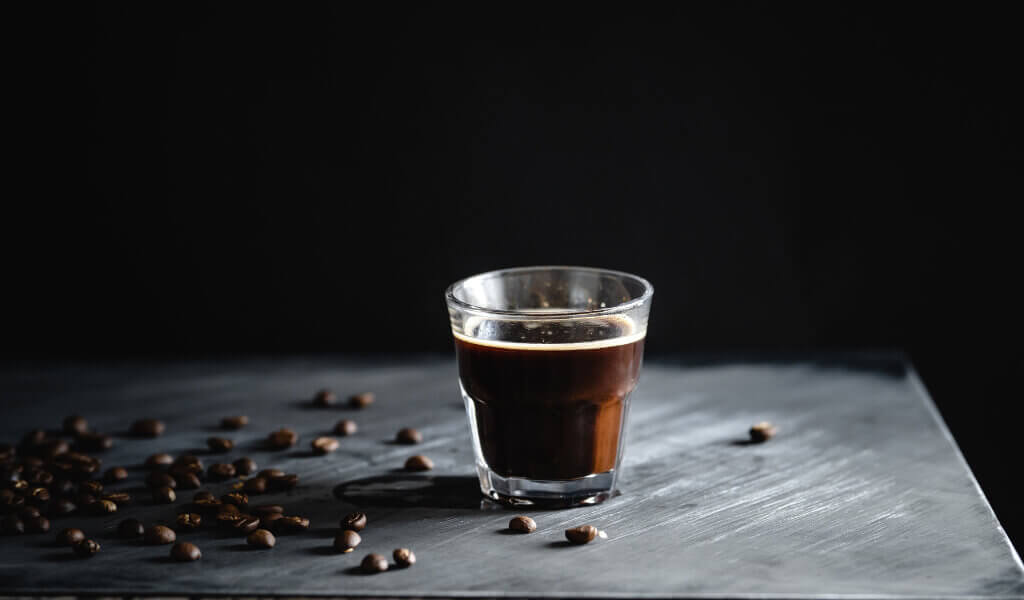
211	179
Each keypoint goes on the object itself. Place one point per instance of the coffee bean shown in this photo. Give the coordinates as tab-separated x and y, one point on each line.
581	534
261	538
285	482
158	534
256	485
160	459
282	438
91	487
118	498
53	448
63	487
70	536
522	525
85	500
404	557
346	427
187	520
12	525
9	499
374	563
291	524
419	463
269	519
245	466
346	541
21	486
267	509
408	435
130	528
157	479
86	548
236	422
220	471
37	525
164	495
28	512
246	524
228	509
271	473
203	495
38	496
60	507
361	400
94	442
187	481
103	507
762	432
236	499
219	444
207	506
228	518
324	445
115	474
148	427
324	398
355	521
32	440
185	552
189	462
75	424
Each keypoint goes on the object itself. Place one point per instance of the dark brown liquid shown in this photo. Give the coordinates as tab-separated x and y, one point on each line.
550	414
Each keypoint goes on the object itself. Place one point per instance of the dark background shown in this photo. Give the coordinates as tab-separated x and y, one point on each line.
225	179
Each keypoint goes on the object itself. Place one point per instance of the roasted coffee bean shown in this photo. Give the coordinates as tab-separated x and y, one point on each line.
103	507
77	458
271	473
228	518
33	439
158	479
228	508
581	534
85	500
37	525
87	548
41	478
269	519
522	525
10	500
246	524
419	463
256	485
187	481
374	563
94	442
187	521
115	474
220	471
70	536
185	552
245	466
219	444
404	557
194	463
118	498
236	499
261	538
361	400
28	512
266	509
38	496
324	398
762	432
285	482
130	528
159	460
324	445
75	424
408	435
85	470
164	495
346	541
12	525
158	534
148	427
355	521
60	507
21	486
63	487
236	422
91	487
346	427
207	505
282	438
203	495
54	448
291	524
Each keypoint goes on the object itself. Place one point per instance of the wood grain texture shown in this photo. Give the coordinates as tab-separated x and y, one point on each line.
862	494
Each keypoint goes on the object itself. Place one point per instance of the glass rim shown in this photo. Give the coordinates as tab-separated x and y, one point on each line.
558	313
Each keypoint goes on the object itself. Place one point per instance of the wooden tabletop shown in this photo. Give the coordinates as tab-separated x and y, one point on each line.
863	493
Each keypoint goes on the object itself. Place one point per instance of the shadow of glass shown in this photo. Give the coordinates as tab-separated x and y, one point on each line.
441	491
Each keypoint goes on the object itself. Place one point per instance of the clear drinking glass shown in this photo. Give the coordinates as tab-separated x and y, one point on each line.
547	359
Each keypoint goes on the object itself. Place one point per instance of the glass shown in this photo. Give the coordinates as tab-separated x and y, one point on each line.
547	359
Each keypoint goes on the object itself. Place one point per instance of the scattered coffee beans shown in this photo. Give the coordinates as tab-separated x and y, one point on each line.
60	507
256	485
266	509
75	424
346	541
185	552
284	482
581	534
187	521
246	524
245	466
408	435
37	525
187	480
94	442
355	521
70	536
115	474
221	471
219	444
118	498
324	398
29	512
261	538
404	557
419	463
103	507
148	427
158	534
282	438
522	524
269	519
38	496
161	459
157	479
237	499
374	563
346	427
271	473
130	528
236	422
164	495
91	487
291	524
203	495
762	432
86	548
324	445
361	400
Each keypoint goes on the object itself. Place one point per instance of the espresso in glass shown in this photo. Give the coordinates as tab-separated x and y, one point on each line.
546	373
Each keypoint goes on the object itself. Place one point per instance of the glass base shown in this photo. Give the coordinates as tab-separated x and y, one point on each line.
542	493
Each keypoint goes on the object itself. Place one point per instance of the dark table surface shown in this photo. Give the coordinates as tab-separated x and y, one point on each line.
863	494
